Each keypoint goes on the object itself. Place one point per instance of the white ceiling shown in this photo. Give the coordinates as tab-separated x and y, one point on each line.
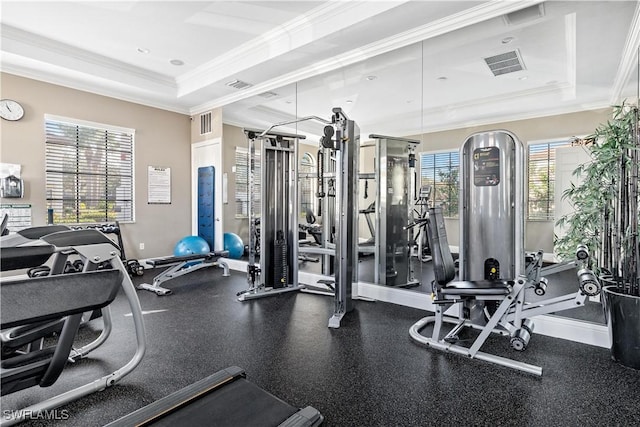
315	55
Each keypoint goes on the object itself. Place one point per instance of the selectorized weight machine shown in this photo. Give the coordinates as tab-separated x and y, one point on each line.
278	268
495	272
278	219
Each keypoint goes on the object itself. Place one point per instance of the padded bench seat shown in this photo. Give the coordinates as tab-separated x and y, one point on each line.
26	301
211	256
78	238
35	233
478	287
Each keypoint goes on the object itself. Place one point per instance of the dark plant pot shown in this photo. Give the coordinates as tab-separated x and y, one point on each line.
622	313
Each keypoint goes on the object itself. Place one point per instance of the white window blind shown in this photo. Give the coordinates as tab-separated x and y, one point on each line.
441	171
242	184
541	170
89	172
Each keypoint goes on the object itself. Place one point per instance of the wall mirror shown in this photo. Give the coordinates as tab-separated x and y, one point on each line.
442	86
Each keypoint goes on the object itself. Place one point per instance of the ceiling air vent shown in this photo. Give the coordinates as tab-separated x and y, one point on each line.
268	94
504	63
205	123
238	84
527	14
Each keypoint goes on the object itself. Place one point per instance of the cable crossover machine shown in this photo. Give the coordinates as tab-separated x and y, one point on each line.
277	271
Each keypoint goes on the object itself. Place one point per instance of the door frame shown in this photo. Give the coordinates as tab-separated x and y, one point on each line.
216	162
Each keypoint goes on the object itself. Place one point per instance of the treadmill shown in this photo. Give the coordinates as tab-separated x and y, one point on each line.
225	398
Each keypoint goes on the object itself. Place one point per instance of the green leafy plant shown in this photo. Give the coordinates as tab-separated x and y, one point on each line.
605	216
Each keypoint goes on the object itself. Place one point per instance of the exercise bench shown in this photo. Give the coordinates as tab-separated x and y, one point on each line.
184	264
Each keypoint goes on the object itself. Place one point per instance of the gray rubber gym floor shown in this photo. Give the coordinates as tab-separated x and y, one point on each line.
367	373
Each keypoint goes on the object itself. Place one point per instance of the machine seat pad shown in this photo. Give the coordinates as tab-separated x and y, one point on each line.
19	257
26	301
478	287
78	238
34	233
211	256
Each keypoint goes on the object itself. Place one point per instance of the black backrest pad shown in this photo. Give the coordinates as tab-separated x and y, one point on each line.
35	233
443	264
16	258
78	238
31	300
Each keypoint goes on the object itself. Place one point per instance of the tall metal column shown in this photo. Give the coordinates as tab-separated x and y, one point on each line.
347	141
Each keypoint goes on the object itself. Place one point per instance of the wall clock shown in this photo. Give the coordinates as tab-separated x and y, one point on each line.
10	109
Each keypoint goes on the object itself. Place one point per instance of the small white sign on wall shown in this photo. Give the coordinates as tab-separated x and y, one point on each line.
159	185
225	181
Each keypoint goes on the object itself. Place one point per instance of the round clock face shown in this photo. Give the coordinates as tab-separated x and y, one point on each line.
11	110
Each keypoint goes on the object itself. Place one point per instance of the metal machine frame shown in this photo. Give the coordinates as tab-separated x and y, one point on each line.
342	139
346	145
278	270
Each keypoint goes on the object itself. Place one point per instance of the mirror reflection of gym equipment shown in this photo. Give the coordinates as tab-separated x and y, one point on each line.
393	210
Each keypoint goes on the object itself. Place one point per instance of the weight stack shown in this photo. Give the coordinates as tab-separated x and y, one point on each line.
280	266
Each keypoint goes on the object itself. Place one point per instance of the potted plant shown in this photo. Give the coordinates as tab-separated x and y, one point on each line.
606	220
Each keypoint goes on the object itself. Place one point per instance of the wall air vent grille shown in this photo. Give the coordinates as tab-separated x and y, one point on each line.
238	84
268	94
205	123
527	14
505	63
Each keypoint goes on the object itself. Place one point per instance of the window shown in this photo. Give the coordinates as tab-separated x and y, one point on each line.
541	169
89	172
441	171
242	183
307	174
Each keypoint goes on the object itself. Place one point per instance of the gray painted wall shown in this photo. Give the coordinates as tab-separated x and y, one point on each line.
162	138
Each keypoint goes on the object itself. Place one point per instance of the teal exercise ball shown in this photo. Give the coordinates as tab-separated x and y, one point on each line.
234	245
191	245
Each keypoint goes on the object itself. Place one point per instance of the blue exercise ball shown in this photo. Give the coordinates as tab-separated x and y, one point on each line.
233	243
191	245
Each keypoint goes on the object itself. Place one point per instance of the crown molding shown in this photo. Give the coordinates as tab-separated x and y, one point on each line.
462	124
512	117
561	87
474	15
90	87
629	60
92	60
316	24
